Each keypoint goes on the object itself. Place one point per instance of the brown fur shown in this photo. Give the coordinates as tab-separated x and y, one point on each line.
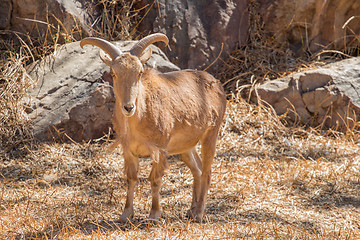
170	102
174	111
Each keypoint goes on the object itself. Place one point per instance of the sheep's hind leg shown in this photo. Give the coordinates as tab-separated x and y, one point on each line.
208	144
192	160
131	169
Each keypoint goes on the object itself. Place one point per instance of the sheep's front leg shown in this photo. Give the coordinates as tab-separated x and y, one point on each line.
158	167
131	170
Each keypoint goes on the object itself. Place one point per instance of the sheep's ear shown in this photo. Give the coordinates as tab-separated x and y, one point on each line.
105	58
145	56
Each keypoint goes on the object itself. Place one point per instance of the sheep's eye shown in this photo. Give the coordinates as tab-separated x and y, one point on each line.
140	73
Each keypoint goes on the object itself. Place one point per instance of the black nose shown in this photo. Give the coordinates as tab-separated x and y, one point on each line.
128	108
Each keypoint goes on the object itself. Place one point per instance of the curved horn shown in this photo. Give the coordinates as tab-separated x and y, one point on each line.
107	46
140	46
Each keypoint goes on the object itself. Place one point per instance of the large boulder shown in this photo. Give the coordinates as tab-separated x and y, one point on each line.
73	97
5	13
328	96
312	24
35	17
198	29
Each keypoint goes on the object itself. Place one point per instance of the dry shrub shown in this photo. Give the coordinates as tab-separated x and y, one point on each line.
19	50
15	126
261	58
115	19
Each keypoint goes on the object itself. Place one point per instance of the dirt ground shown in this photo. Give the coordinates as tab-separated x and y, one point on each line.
269	181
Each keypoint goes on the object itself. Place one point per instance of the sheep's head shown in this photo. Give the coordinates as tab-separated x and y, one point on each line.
126	68
126	71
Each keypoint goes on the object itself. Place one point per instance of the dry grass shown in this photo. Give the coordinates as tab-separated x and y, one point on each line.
15	127
269	180
116	20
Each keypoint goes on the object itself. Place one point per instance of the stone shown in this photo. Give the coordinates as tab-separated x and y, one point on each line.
328	96
312	25
40	18
5	13
73	97
313	79
199	30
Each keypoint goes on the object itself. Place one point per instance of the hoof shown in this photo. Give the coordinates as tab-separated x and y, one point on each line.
126	217
154	216
194	215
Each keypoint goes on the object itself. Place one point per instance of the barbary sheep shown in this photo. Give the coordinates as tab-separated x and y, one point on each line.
160	114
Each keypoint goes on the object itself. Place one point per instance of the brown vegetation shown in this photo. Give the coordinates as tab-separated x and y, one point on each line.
270	180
